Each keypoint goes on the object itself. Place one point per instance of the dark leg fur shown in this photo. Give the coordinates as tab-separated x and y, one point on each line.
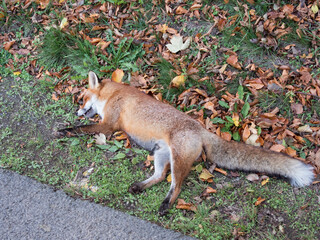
83	129
165	205
135	188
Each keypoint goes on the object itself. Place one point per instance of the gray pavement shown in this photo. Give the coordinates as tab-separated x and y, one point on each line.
31	210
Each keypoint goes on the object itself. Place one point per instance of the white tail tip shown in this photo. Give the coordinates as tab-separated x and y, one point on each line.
301	174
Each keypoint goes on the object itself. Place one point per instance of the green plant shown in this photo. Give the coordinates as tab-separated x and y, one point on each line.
55	48
122	56
231	124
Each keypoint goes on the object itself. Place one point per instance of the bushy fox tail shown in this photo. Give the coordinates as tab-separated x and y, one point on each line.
234	155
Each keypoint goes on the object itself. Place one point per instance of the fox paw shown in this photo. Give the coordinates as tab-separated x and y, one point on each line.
164	208
135	188
62	133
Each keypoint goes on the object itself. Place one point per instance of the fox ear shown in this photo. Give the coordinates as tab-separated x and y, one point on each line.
93	80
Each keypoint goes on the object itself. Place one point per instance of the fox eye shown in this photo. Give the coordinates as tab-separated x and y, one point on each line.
81	101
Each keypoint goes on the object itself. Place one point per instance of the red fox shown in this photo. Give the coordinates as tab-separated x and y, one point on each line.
175	139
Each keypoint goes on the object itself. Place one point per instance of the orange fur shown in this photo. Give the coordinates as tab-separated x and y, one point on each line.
175	139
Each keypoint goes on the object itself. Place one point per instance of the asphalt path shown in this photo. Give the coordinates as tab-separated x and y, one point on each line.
31	210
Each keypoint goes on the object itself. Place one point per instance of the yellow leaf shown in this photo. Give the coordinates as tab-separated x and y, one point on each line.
205	175
178	81
16	73
169	178
64	23
264	182
162	28
235	119
117	75
314	8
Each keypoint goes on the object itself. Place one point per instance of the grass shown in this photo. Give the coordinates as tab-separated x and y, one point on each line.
57	162
60	49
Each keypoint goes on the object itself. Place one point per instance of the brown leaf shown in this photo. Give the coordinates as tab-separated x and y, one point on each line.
221	171
222	22
254	83
259	201
291	152
23	51
297	108
246	133
226	136
277	148
187	206
180	10
288	9
209	106
8	45
233	61
138	80
207	192
54	97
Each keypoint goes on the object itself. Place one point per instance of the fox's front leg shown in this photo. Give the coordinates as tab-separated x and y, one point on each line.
84	129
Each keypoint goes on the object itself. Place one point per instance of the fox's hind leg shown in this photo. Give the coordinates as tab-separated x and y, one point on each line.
185	150
162	156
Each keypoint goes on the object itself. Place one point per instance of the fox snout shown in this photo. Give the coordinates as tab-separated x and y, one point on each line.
86	112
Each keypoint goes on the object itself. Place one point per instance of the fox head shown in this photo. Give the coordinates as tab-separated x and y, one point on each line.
90	104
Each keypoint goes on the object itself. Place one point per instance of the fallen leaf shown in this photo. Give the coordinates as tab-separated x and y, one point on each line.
54	97
8	45
205	175
264	182
235	119
233	61
252	140
221	171
210	190
253	177
64	23
259	201
246	133
226	136
16	73
297	108
169	179
117	75
100	139
305	128
2	15
207	192
177	44
291	152
277	148
180	10
178	81
315	8
186	206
